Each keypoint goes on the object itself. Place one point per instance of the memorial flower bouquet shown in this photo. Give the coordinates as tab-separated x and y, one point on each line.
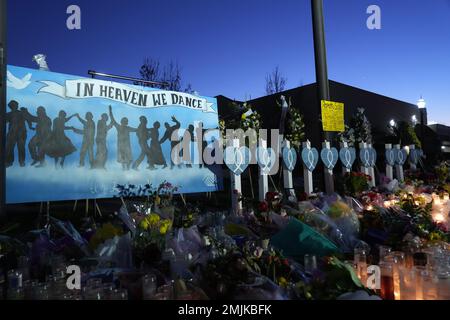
442	172
150	237
295	132
251	119
105	232
332	279
152	229
136	199
270	263
355	183
164	200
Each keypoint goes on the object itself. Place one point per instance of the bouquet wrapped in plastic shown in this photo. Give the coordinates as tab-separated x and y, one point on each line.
332	218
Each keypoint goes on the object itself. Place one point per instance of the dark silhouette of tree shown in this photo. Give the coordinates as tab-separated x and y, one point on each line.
275	82
150	71
170	74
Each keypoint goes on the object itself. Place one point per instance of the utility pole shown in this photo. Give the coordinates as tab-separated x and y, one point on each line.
3	26
320	55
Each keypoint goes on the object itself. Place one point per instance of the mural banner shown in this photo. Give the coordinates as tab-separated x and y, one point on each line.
77	138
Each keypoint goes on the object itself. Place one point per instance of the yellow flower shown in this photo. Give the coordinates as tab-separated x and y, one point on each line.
163	229
282	282
153	219
165	226
244	116
105	232
144	224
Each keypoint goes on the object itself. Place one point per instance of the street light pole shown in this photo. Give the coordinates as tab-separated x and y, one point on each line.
320	54
421	104
3	26
323	86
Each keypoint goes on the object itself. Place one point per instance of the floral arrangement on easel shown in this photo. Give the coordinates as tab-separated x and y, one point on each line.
295	126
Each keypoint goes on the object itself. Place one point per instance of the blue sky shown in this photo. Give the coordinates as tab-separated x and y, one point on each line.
228	46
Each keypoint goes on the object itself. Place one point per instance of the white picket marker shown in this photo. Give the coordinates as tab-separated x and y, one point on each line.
364	170
236	187
263	181
345	169
328	173
371	172
399	168
307	175
412	166
287	175
389	169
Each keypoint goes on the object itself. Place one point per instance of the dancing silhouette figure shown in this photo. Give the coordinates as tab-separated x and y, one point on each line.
124	154
143	134
101	154
59	145
88	132
168	136
16	135
43	131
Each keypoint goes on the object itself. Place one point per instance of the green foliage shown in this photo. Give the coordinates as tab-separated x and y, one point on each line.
295	127
355	183
442	172
338	278
347	136
362	127
406	135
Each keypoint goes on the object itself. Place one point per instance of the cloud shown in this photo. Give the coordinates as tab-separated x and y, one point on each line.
29	184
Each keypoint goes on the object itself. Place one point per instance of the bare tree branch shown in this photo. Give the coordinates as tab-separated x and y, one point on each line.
275	82
151	70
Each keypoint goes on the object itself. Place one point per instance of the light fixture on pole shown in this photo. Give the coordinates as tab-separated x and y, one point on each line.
421	104
414	120
392	123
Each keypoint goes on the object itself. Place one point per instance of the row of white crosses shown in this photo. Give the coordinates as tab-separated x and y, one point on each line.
237	158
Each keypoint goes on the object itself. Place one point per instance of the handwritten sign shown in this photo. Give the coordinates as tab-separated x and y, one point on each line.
332	116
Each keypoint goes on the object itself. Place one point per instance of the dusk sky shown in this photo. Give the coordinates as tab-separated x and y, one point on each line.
228	46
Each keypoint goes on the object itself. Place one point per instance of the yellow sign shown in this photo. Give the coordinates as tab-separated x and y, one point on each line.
332	116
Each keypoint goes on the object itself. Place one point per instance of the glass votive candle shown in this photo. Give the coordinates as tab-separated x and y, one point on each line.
430	286
387	281
310	263
407	283
41	292
119	294
397	259
444	287
149	286
14	279
419	271
108	291
360	261
383	252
